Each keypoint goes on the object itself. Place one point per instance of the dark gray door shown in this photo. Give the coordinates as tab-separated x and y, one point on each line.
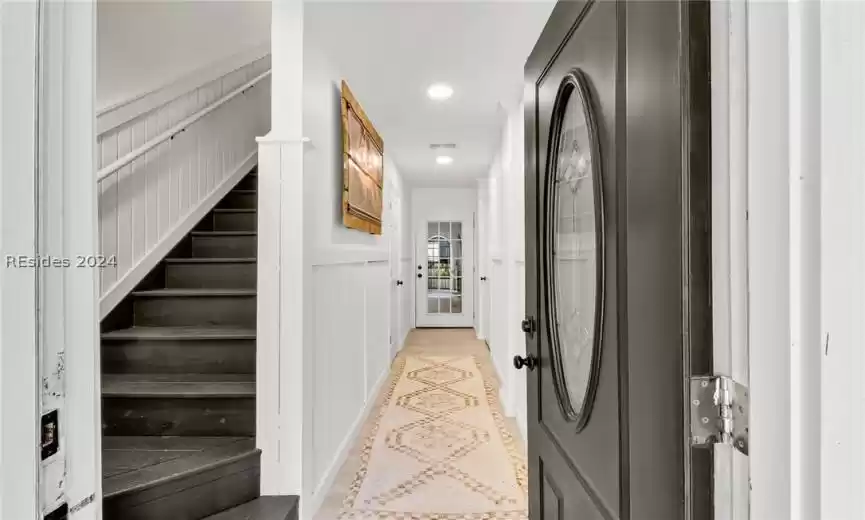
618	272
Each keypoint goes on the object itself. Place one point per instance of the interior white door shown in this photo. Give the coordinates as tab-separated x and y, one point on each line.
483	267
397	285
443	274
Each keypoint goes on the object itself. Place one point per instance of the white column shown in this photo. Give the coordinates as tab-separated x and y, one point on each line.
19	396
49	318
68	296
283	417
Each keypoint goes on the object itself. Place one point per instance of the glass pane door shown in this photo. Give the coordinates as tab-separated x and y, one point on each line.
444	268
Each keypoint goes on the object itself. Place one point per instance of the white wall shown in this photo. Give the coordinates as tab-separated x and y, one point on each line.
504	259
143	45
842	235
347	305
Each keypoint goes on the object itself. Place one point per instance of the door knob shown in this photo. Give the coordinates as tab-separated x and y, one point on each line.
419	275
528	325
483	278
528	361
399	282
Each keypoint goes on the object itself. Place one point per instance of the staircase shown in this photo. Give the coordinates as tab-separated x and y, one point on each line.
178	380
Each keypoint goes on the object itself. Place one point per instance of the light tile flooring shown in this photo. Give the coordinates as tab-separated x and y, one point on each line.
420	457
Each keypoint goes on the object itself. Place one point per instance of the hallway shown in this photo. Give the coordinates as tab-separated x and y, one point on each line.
436	445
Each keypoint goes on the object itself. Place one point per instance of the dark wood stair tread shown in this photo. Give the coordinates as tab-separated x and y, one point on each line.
223	233
133	464
264	508
179	333
244	192
170	293
181	386
234	210
208	260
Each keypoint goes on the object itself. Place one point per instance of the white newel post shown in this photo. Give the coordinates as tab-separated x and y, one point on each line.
282	267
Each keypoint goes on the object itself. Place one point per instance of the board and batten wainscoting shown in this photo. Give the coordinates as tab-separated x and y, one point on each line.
162	167
351	355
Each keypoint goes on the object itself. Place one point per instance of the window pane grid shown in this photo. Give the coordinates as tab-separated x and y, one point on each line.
444	267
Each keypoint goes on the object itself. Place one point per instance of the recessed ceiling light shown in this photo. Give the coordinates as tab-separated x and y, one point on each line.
444	159
440	91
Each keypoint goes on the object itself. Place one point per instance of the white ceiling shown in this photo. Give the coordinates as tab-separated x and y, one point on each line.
390	52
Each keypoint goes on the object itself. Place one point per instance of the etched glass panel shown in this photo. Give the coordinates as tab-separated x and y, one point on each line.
574	254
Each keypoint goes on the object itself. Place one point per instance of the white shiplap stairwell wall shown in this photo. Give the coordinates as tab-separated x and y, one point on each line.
147	205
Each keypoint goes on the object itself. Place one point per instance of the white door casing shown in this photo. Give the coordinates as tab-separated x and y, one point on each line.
49	350
396	289
451	213
483	260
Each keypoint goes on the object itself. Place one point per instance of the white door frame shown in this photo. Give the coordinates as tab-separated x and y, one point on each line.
49	315
19	377
482	255
443	205
396	291
766	89
833	217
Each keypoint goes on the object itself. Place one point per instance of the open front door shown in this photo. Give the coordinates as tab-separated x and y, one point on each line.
618	278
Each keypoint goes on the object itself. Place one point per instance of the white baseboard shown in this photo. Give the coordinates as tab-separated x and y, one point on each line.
314	502
128	282
504	392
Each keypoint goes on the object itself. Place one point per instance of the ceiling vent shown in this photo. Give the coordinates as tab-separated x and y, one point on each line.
444	146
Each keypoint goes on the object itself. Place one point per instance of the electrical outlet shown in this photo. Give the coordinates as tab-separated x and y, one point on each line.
50	434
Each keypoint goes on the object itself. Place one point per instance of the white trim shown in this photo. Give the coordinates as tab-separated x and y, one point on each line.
805	249
769	252
324	485
74	211
347	255
842	256
19	382
729	233
126	284
117	114
443	205
504	391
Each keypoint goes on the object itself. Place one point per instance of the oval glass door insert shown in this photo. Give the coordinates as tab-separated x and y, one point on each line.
574	249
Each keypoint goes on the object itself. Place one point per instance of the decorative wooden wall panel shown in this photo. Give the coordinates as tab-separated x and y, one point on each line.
363	167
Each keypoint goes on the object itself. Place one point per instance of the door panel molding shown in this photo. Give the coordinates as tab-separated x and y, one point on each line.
654	148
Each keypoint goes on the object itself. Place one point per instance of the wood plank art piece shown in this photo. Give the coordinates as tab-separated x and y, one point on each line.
363	167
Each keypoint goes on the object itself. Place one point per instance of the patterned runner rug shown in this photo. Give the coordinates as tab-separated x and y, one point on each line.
439	449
